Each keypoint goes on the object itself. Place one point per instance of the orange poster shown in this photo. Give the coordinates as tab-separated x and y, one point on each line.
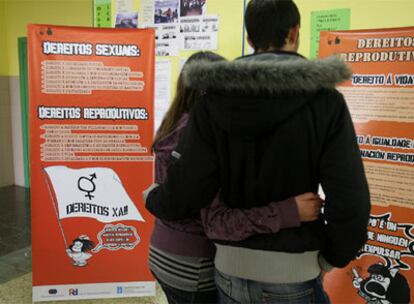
91	97
380	96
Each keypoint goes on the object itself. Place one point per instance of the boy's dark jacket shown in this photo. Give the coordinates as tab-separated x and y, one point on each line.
271	126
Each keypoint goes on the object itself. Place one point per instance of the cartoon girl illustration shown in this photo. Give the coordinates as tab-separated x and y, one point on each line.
78	250
383	286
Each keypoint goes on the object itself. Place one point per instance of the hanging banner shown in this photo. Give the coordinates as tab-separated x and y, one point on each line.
91	97
380	96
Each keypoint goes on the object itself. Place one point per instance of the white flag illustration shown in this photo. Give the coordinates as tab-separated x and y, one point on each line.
91	192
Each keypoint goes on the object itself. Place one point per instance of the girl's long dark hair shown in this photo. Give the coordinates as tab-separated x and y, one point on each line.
184	98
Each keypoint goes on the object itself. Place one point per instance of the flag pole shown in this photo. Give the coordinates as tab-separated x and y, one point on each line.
54	206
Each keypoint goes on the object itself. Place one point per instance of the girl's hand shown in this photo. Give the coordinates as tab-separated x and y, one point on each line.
309	206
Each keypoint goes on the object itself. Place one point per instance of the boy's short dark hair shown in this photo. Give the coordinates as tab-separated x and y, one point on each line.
268	22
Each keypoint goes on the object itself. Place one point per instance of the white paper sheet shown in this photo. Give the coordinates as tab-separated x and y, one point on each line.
163	72
167	40
199	33
147	9
123	6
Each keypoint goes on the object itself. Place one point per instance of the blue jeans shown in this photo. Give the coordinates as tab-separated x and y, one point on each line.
177	296
232	290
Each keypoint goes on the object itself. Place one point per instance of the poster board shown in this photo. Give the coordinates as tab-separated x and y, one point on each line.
380	97
214	25
327	20
91	97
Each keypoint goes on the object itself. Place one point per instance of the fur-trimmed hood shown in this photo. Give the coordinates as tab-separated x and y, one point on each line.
267	73
250	95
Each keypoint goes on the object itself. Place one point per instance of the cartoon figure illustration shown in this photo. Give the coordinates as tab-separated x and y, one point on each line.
383	286
78	250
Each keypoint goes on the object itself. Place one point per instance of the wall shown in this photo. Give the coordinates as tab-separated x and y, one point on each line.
231	25
6	152
3	40
366	14
14	17
57	12
230	31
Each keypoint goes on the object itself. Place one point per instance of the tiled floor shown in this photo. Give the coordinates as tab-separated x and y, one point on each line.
15	253
15	264
14	219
